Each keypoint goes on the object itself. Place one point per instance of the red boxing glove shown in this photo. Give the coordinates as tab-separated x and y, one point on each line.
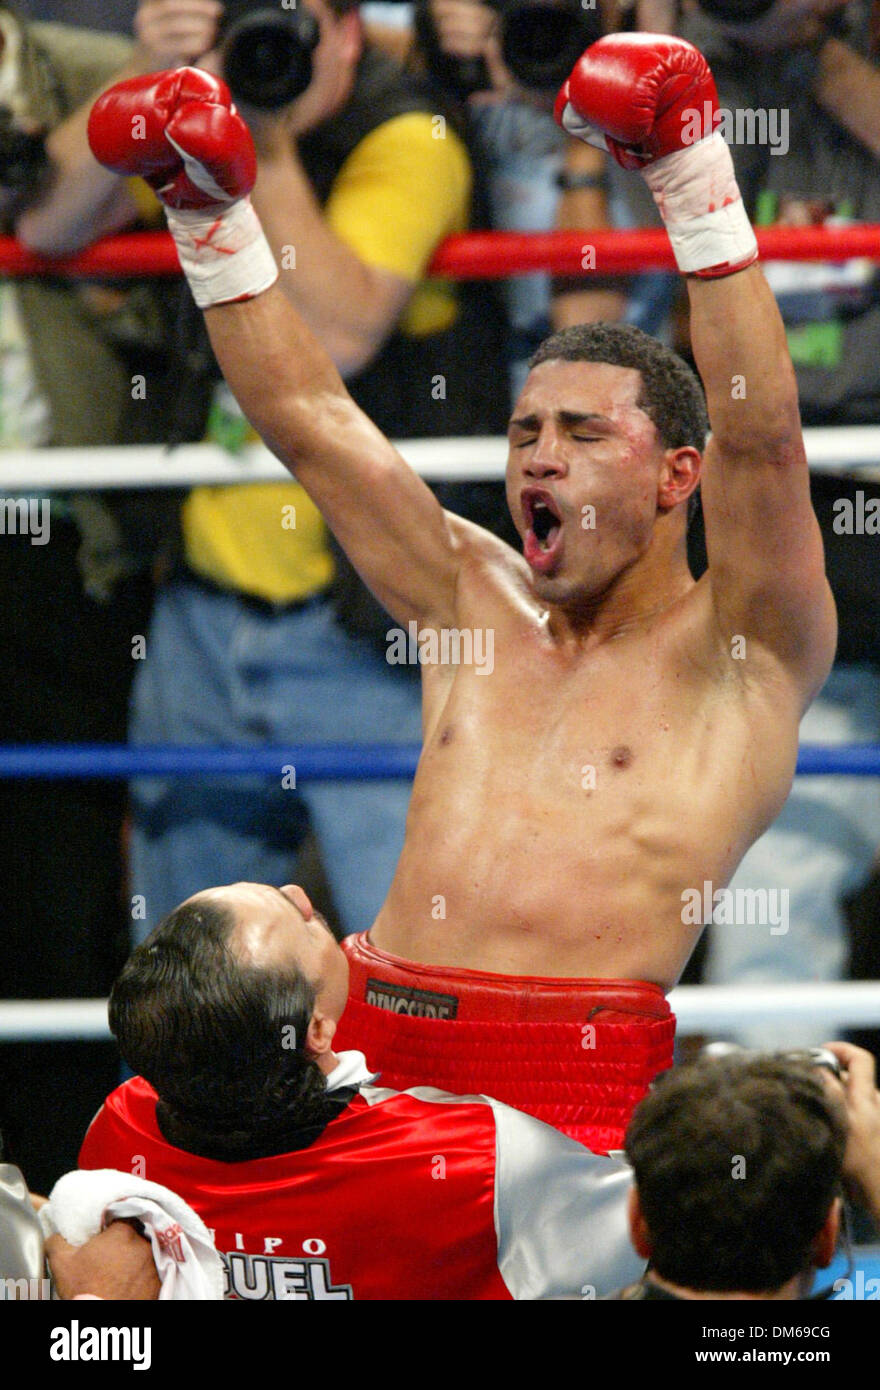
650	100
647	94
180	132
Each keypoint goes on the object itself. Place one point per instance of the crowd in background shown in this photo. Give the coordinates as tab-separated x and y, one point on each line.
258	632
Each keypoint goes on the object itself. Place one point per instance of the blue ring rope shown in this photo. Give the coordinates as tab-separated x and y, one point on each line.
321	762
329	762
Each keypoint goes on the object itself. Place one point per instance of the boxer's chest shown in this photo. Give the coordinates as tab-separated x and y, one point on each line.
624	717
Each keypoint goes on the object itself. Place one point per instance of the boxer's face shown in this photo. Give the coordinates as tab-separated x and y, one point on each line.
279	926
586	475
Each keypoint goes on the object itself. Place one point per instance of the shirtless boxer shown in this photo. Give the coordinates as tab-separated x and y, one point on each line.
639	730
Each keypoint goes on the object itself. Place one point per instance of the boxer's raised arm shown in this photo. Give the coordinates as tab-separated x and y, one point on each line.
180	131
766	561
389	523
651	100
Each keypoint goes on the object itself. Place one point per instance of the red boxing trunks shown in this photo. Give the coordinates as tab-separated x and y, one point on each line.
578	1054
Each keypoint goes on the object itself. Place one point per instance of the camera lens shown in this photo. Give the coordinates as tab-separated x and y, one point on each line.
267	57
542	42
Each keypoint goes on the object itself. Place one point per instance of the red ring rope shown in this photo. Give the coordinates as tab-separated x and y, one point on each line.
474	255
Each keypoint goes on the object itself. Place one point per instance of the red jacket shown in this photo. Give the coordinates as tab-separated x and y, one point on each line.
405	1195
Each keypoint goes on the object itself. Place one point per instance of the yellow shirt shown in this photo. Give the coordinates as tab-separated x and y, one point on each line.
404	188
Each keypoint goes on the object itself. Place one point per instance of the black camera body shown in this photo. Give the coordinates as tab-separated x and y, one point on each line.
541	40
266	51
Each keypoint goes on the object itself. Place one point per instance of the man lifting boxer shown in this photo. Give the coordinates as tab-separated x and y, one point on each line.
638	730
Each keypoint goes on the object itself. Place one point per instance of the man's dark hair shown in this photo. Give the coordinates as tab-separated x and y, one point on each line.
671	394
220	1040
737	1162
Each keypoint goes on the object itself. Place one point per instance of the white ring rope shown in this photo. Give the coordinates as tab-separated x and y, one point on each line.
843	449
708	1009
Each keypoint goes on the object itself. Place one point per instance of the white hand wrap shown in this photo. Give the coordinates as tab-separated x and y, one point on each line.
696	193
223	252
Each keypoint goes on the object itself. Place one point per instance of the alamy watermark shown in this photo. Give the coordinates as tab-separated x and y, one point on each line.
25	1290
861	1288
26	516
736	907
747	125
445	646
80	1342
856	516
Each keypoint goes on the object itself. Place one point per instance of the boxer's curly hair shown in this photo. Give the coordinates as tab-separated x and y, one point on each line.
671	395
221	1041
737	1161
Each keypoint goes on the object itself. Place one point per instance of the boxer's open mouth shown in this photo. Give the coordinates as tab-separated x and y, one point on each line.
543	528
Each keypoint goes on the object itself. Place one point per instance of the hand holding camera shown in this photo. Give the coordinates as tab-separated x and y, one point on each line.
172	33
858	1080
462	42
472	47
262	51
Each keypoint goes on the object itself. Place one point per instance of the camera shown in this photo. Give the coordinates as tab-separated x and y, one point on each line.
266	52
23	157
817	1057
808	1056
541	40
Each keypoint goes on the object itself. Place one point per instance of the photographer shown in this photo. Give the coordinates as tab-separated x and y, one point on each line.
738	1163
506	61
359	179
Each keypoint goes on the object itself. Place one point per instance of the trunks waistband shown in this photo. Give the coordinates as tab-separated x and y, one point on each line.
419	990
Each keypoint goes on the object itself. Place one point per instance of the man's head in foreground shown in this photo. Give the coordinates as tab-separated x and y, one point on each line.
738	1165
605	453
228	1009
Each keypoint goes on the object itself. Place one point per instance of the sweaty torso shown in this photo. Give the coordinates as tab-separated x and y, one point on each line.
569	801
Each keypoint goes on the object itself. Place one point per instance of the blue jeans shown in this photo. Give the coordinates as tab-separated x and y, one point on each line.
820	849
219	671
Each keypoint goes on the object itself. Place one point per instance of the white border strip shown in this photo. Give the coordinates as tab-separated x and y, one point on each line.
844	449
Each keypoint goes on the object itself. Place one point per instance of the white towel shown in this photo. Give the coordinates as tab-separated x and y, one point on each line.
83	1203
